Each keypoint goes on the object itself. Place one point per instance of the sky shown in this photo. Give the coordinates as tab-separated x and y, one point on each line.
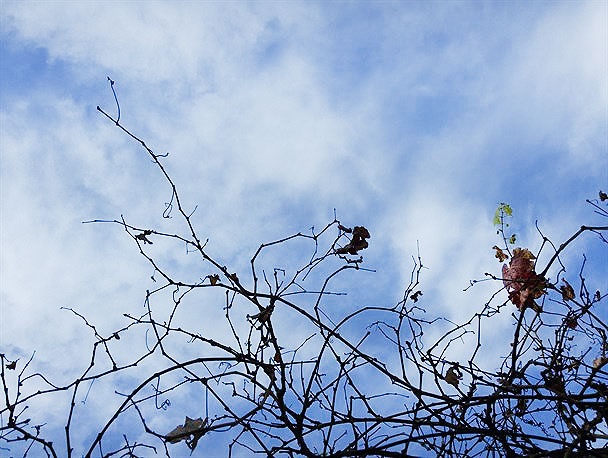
414	119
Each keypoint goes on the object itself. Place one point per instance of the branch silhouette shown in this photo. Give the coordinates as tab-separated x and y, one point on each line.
348	381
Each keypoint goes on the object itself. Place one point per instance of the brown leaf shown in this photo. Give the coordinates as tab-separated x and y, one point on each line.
191	427
521	281
416	296
571	322
12	365
522	405
357	243
144	237
555	383
264	315
603	196
500	255
599	362
567	291
453	376
360	231
575	364
214	279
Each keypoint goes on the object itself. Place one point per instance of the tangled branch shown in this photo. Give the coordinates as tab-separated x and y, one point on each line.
348	381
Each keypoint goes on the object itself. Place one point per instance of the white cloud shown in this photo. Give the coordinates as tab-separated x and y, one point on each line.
412	120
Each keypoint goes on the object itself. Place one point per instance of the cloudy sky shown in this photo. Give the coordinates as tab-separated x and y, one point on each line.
414	119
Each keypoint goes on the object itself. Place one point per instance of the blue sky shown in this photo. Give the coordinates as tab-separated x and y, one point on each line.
414	119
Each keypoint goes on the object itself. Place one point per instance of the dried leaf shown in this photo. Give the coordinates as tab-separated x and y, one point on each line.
233	277
567	291
554	383
357	243
264	315
416	296
522	405
571	321
453	376
360	231
191	427
521	281
144	236
599	362
500	255
12	365
603	196
575	364
214	279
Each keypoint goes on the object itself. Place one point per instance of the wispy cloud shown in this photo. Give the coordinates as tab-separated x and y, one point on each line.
414	119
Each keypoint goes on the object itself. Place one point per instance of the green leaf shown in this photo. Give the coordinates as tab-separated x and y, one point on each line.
496	219
502	210
512	239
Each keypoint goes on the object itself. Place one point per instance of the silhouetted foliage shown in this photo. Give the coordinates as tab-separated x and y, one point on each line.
288	373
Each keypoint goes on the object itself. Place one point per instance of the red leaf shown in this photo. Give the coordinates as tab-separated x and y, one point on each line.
521	281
